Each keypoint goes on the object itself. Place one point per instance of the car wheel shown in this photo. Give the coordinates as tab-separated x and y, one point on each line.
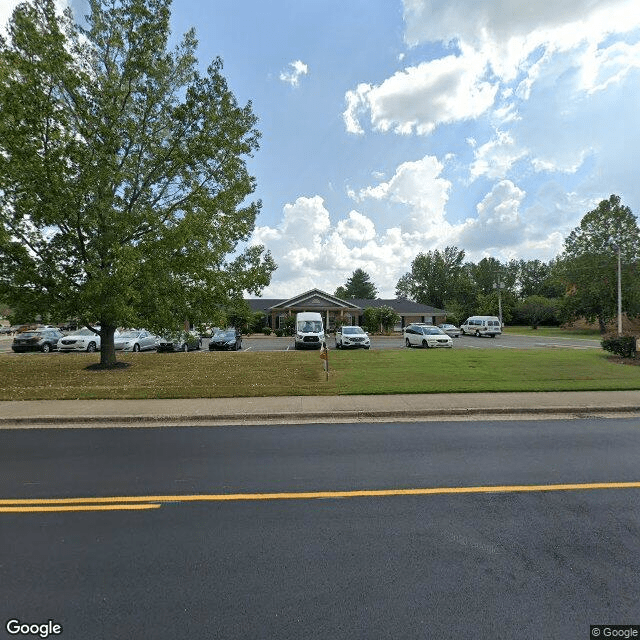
477	334
338	345
407	343
46	348
367	348
185	347
425	344
136	347
91	347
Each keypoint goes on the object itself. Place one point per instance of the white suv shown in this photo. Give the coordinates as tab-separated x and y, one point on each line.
352	337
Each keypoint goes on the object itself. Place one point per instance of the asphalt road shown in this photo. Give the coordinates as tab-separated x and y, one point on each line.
518	563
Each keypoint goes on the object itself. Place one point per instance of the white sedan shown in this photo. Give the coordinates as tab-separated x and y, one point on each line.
426	336
83	340
352	337
136	340
450	330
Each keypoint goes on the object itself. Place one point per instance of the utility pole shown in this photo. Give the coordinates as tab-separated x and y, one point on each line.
619	293
498	286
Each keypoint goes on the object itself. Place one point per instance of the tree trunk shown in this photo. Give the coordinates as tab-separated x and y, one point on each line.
107	347
603	326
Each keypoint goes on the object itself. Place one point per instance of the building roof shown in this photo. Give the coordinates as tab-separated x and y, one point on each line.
322	300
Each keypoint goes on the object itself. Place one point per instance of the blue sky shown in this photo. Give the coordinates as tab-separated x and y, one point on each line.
391	127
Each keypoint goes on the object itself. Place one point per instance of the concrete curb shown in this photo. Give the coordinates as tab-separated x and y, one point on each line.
288	417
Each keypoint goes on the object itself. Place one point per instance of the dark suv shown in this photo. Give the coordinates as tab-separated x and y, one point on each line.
44	340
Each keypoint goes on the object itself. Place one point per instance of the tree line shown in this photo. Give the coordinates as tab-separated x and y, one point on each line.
579	283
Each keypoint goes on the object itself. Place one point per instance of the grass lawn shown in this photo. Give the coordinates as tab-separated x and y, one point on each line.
243	374
554	332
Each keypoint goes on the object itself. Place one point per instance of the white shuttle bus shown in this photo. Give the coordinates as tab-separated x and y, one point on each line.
481	326
309	331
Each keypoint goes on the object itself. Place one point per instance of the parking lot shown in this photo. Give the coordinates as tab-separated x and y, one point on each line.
272	343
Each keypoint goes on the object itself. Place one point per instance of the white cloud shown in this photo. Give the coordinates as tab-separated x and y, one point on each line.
508	31
292	75
494	159
420	98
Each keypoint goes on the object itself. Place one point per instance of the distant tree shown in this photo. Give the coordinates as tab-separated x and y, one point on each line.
359	285
538	310
435	277
123	179
589	263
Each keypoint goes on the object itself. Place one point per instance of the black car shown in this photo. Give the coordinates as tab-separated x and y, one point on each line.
226	340
44	340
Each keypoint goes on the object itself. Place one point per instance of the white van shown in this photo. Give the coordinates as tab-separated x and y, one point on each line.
481	326
309	331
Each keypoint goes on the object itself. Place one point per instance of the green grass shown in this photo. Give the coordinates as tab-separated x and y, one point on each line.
554	332
210	375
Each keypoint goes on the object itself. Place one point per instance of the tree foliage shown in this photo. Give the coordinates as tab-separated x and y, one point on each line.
359	286
381	319
589	262
435	277
123	180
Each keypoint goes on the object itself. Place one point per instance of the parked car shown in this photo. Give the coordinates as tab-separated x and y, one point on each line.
481	326
226	340
44	340
450	329
83	340
136	340
180	341
419	335
352	337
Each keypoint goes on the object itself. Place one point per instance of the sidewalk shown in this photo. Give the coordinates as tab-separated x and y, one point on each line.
307	409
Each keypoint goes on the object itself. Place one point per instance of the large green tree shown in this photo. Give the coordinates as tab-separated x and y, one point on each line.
589	263
359	285
123	182
435	277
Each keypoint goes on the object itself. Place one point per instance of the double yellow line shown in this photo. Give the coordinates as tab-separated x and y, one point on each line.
138	503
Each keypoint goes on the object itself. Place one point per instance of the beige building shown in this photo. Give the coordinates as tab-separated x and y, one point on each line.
337	311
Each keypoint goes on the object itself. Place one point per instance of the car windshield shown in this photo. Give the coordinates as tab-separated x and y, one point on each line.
84	332
31	334
130	334
352	330
310	326
432	331
225	334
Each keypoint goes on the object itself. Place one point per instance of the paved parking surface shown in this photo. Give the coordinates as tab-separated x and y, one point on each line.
505	341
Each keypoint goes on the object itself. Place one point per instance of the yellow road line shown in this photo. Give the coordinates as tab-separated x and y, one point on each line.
123	501
97	507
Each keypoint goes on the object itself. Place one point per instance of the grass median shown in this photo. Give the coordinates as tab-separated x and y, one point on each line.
292	373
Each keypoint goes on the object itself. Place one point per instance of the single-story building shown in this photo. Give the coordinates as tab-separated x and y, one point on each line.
337	311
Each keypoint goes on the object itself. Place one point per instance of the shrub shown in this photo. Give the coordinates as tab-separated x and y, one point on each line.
266	331
624	346
279	333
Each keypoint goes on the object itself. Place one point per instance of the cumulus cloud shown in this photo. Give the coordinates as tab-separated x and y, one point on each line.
494	159
294	72
419	185
420	98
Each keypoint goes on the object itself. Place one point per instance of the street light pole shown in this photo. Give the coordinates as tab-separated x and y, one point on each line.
498	286
619	295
